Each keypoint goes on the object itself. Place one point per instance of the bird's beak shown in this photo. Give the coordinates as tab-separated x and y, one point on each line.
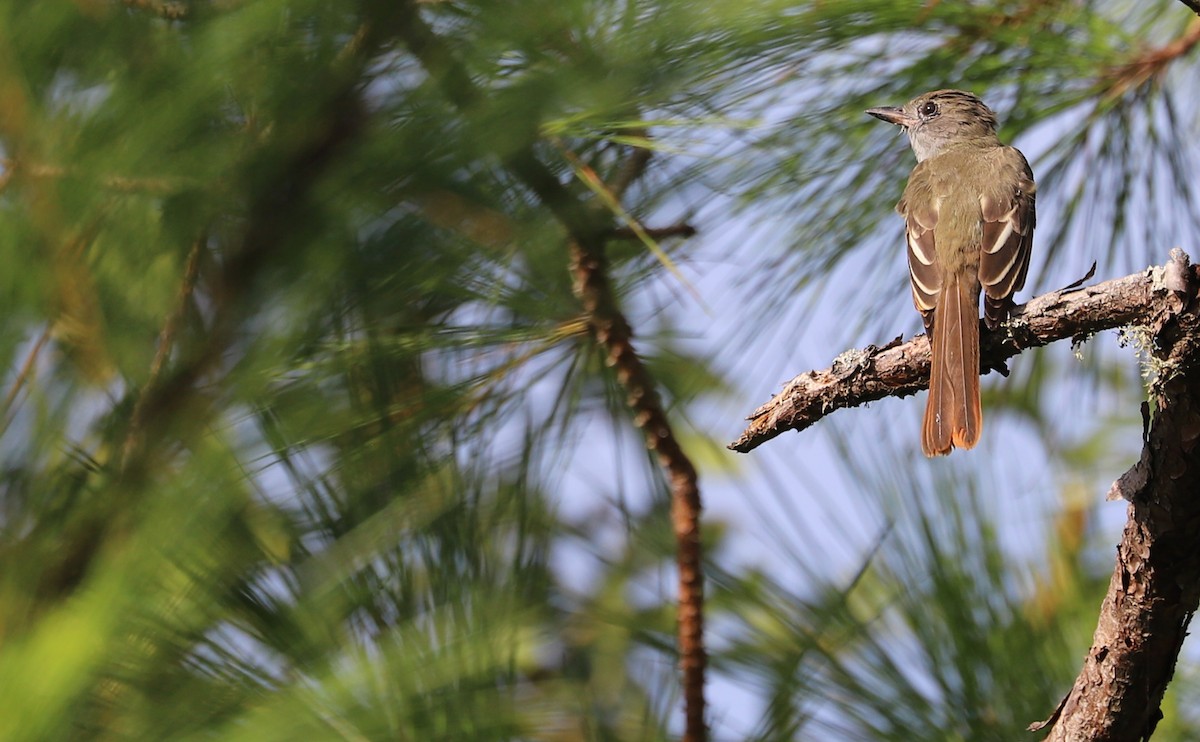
892	115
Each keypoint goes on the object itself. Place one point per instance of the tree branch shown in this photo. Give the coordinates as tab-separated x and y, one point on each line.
274	216
588	225
1155	586
1150	66
901	369
1193	4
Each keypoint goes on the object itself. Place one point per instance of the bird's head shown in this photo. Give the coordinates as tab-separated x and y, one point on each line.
940	120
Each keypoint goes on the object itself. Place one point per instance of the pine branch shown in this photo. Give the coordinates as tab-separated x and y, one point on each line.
1155	588
589	225
272	222
1150	66
900	369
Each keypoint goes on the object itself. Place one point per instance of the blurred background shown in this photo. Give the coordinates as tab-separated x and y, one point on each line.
304	435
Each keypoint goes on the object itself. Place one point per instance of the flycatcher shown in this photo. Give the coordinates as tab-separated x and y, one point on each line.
969	216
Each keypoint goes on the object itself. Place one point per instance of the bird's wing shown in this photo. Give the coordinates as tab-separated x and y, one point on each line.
1009	216
920	208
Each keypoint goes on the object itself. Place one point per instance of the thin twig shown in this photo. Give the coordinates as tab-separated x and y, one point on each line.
22	376
656	233
166	340
634	165
1151	65
122	183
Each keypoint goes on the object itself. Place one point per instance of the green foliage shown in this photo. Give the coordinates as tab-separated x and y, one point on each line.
296	371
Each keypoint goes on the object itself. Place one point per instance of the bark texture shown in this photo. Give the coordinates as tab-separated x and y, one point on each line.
1155	586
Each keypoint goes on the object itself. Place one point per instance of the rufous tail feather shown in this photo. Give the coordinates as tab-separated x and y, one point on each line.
953	414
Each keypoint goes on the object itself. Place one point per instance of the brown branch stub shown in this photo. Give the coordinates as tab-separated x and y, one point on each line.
901	369
1155	587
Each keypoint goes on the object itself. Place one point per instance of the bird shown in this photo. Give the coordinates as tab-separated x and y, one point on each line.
969	214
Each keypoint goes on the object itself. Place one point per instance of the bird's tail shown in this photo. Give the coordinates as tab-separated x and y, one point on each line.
953	414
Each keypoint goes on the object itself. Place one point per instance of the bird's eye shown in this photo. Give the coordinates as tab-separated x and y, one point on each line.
929	109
